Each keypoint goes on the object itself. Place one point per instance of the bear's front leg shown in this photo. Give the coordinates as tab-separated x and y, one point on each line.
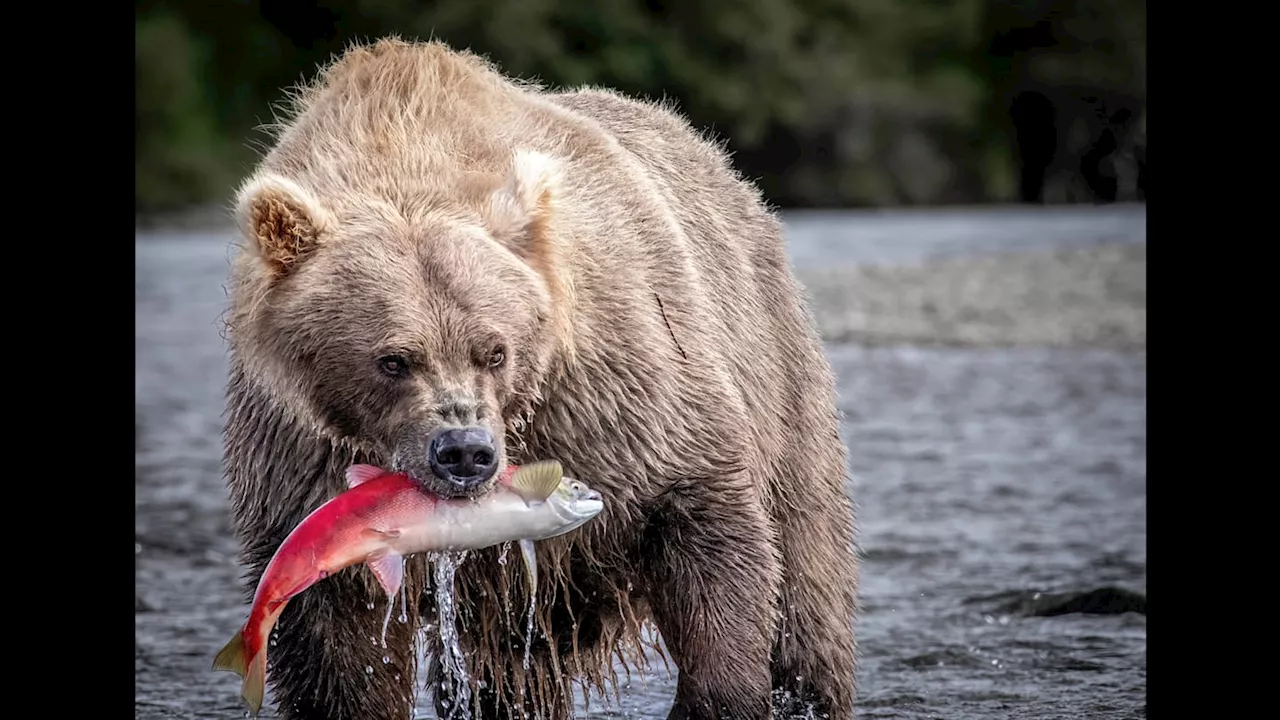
327	661
715	578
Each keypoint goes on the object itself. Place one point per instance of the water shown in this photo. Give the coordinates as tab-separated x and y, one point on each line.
454	662
528	632
527	551
983	476
404	604
391	606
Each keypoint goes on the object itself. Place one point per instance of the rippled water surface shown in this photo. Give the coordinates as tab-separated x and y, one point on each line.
1001	494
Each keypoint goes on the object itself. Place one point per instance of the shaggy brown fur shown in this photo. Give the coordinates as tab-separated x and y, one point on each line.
419	203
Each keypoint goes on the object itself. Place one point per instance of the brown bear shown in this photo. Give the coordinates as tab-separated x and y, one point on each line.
446	270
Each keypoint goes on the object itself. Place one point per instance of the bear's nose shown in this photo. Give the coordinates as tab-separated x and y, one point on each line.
463	456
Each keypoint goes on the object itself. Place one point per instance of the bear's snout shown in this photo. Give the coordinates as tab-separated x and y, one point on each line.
463	457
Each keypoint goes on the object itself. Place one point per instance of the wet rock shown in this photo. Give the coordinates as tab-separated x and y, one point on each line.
1099	601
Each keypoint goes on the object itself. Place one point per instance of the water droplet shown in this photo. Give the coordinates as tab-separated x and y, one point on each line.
386	659
369	605
368	669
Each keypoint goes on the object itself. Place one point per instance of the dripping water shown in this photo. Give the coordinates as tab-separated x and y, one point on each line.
391	606
451	658
404	602
528	631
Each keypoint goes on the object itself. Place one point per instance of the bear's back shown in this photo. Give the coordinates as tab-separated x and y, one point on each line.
755	315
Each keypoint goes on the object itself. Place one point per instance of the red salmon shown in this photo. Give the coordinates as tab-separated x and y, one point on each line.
384	516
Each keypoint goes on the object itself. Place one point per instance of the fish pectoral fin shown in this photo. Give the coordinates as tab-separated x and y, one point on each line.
389	569
382	534
357	474
536	481
530	564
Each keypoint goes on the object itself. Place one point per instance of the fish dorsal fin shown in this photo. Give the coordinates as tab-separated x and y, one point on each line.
357	474
536	481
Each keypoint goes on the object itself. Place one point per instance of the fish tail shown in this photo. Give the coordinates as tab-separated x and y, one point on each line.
231	657
234	657
254	686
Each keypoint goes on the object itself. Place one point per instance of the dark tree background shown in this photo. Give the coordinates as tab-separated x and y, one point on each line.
835	103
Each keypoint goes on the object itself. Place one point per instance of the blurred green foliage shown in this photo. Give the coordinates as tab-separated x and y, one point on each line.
823	102
177	137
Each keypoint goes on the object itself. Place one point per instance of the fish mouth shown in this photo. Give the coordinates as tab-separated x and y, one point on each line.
584	510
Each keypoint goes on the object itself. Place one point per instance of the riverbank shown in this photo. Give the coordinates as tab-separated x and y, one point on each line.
1089	297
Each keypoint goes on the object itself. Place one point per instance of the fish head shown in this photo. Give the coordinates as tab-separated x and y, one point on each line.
574	503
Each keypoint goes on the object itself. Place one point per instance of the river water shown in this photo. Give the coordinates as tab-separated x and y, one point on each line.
1001	492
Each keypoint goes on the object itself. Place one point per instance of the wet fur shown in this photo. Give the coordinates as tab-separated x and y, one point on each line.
674	368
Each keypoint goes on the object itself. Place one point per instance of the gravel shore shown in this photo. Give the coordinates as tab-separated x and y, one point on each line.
1092	297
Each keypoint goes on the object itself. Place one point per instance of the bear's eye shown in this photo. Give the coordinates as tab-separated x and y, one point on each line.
497	356
393	366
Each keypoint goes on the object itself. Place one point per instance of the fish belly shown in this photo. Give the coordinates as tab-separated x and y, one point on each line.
471	527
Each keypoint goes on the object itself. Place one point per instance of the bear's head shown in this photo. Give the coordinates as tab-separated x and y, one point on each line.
417	328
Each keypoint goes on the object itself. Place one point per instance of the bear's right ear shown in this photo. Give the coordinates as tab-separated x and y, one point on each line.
282	221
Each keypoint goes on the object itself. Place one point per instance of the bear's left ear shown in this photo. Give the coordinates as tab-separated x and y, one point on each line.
521	214
520	211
